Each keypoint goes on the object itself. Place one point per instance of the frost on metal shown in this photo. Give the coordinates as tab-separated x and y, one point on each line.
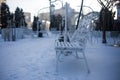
84	26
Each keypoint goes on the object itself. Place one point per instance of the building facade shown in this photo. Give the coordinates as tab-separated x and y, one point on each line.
61	11
28	19
2	1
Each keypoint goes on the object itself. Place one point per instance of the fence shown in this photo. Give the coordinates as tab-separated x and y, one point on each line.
12	34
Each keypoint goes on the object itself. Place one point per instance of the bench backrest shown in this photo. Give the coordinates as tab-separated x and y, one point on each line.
81	34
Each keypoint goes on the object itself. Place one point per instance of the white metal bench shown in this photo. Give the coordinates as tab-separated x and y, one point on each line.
76	44
77	41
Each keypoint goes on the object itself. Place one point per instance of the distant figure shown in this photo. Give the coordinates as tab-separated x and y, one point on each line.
34	26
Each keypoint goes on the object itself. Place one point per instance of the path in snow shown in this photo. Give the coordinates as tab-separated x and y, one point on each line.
34	59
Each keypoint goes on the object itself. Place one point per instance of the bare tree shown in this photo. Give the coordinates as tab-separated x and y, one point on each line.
106	17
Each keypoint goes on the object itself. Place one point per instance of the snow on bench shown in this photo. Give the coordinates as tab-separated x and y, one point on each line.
67	46
77	44
77	41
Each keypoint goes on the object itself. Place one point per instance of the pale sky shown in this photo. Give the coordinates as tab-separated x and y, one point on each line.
33	6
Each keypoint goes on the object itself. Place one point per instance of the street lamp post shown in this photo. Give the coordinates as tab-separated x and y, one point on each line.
41	9
50	14
39	21
51	11
52	8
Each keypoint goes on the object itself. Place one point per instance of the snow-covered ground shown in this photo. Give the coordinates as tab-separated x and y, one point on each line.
35	59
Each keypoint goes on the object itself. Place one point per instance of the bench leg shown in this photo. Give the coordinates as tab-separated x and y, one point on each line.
77	56
57	59
86	62
58	54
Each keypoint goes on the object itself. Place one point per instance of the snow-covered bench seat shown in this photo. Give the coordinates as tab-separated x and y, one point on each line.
76	44
67	46
62	48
